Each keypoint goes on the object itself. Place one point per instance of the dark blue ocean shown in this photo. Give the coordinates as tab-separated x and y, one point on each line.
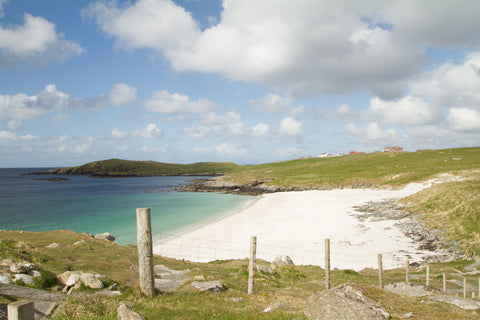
97	205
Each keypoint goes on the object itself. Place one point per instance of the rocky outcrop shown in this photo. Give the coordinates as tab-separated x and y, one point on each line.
215	286
19	272
105	236
346	301
125	312
218	184
411	289
281	261
72	279
169	280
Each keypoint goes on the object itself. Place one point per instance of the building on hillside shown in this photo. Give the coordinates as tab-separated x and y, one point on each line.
392	149
356	152
325	155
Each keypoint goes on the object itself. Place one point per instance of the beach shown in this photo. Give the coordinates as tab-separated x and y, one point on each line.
296	224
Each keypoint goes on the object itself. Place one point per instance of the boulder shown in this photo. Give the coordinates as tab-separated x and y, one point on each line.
25	278
5	279
215	286
281	261
343	302
459	302
265	269
53	245
63	277
19	268
124	312
411	289
199	278
105	236
73	279
36	274
166	285
91	281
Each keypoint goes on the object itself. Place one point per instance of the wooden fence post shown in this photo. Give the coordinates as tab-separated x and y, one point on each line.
380	271
145	252
327	264
464	287
444	282
20	310
478	288
428	275
407	271
252	265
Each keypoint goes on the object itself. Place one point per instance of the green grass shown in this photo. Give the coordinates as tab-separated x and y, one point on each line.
453	208
291	285
361	170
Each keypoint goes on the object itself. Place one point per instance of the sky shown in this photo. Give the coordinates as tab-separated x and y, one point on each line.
236	80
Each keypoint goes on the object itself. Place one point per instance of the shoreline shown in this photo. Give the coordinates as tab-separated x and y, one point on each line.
296	224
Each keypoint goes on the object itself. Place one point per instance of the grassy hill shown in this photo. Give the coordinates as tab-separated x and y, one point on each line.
118	167
374	169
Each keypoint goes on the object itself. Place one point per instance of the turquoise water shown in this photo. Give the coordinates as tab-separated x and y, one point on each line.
97	205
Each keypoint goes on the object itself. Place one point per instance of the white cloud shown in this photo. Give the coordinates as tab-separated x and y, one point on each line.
272	103
158	24
149	131
61	117
290	127
14	109
452	85
35	40
408	111
122	94
371	132
305	47
261	130
229	118
118	134
165	102
463	119
223	150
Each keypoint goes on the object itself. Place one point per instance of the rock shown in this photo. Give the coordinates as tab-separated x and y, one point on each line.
199	278
73	279
265	269
125	313
79	242
63	277
408	315
114	287
275	306
85	234
345	302
281	261
18	268
5	279
104	236
167	285
459	302
36	274
90	281
53	245
110	293
215	286
25	278
411	289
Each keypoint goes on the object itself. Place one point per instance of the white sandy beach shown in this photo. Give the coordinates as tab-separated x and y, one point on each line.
296	224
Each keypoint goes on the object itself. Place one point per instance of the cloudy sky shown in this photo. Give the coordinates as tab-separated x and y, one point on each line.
240	80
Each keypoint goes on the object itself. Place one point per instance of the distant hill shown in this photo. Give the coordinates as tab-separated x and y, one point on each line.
128	168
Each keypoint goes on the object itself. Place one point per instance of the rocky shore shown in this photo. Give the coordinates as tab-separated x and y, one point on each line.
410	226
253	188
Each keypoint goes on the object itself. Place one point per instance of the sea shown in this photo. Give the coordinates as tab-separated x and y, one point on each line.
97	205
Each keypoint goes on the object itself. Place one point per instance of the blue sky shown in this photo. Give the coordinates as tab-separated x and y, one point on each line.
235	80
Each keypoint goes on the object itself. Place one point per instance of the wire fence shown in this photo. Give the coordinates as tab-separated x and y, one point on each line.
343	255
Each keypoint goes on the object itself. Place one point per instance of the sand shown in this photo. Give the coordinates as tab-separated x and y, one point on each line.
296	224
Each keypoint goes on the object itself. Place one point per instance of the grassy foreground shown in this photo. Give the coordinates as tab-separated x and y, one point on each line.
291	285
